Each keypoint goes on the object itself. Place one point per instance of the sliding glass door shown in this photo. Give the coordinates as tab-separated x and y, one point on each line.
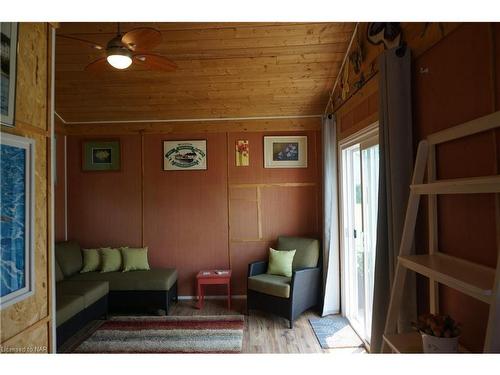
360	165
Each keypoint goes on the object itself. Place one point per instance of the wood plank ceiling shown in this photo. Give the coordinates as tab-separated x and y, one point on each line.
224	70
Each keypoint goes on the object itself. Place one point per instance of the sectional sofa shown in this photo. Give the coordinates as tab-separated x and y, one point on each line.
82	297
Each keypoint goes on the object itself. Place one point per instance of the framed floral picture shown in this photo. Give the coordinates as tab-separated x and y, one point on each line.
17	202
242	153
8	66
101	155
285	152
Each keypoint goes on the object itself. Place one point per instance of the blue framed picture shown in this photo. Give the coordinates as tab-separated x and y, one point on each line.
17	219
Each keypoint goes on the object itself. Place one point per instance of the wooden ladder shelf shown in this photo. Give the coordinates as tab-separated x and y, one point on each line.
475	280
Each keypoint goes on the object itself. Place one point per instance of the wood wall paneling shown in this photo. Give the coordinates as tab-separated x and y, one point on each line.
26	324
419	36
360	111
289	211
194	220
459	82
185	212
104	207
60	189
245	221
457	87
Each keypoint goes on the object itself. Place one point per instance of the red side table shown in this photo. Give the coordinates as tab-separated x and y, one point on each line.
213	277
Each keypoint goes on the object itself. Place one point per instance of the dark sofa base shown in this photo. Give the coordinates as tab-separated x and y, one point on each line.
118	301
277	305
97	310
142	300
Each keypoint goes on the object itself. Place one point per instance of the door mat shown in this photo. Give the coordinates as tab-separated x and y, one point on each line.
335	332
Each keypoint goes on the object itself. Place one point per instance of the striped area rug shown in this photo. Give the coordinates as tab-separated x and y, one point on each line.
167	334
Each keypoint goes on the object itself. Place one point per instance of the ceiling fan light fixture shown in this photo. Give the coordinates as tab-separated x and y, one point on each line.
119	57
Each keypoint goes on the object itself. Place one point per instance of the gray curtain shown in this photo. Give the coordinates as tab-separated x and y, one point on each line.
331	269
396	167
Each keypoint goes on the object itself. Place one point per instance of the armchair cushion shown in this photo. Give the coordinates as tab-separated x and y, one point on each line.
274	285
280	262
307	250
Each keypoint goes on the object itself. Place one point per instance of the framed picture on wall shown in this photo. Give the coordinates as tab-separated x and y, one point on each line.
184	155
8	66
285	152
101	155
17	202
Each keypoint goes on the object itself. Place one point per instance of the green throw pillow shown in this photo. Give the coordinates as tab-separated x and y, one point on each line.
91	260
111	260
135	259
280	262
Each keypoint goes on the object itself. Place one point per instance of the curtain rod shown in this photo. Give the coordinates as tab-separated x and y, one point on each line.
342	66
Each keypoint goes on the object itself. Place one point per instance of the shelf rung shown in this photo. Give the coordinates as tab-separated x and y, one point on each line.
409	343
473	185
470	278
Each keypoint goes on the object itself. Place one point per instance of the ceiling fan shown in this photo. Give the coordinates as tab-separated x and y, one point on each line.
124	49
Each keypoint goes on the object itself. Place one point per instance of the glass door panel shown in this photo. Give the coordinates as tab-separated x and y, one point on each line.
359	218
370	168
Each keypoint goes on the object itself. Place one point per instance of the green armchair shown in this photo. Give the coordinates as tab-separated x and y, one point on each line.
287	297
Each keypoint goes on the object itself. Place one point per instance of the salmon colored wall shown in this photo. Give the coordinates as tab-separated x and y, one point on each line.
185	212
284	201
459	87
59	190
225	216
104	208
462	83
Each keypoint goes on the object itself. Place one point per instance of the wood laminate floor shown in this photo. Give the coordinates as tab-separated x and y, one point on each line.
264	333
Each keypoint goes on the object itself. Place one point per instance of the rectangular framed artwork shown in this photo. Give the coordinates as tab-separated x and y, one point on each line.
8	66
184	155
101	155
17	203
285	152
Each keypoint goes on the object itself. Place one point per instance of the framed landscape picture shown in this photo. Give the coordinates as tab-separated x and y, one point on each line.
184	155
285	152
8	65
17	204
101	155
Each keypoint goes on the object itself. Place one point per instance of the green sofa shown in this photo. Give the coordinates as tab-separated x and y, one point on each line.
81	297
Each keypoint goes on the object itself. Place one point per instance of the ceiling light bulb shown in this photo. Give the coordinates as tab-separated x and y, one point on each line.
119	61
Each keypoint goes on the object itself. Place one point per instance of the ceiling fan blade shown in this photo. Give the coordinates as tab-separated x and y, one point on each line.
99	65
142	38
86	42
154	62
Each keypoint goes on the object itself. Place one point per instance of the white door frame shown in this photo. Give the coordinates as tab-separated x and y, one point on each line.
362	137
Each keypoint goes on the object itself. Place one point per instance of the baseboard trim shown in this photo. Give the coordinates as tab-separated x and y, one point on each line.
187	298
